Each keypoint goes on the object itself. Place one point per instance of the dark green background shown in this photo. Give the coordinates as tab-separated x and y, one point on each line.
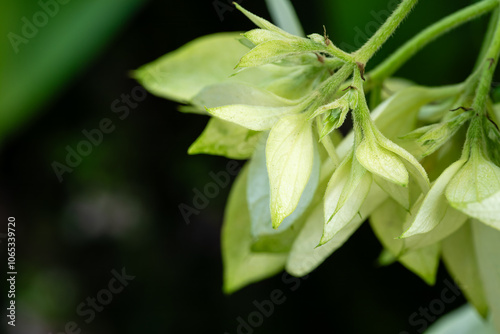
119	207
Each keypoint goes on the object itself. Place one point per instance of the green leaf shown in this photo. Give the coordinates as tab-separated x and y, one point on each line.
429	139
262	23
452	220
434	205
225	139
275	50
305	256
381	161
475	190
289	153
487	243
180	75
263	114
346	103
387	222
346	191
356	175
397	115
241	266
259	36
400	194
435	112
411	164
297	81
284	15
336	185
464	320
394	85
266	238
424	262
233	92
459	256
487	211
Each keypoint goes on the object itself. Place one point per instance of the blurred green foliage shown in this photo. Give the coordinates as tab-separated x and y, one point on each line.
46	43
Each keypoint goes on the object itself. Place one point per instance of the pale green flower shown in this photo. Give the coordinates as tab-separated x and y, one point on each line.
277	99
470	185
373	158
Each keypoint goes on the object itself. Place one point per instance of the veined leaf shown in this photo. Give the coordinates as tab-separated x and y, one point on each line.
434	205
452	220
276	50
477	180
259	36
257	118
298	81
183	73
355	177
225	139
398	193
387	222
459	256
262	23
336	186
381	161
475	190
487	243
305	256
411	164
266	238
233	93
289	154
487	211
430	138
344	196
397	115
241	266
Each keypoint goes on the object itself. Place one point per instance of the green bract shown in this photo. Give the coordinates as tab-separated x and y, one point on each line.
475	188
289	153
182	74
278	100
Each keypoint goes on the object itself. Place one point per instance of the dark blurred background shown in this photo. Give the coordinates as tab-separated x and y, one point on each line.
118	207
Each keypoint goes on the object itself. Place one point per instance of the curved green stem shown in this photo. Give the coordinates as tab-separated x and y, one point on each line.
488	37
410	48
344	56
331	86
489	65
384	32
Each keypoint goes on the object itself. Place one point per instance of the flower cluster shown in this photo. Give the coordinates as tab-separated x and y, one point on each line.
427	178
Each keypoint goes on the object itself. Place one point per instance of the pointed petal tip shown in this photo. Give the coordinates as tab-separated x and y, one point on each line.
321	243
133	74
276	221
227	289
